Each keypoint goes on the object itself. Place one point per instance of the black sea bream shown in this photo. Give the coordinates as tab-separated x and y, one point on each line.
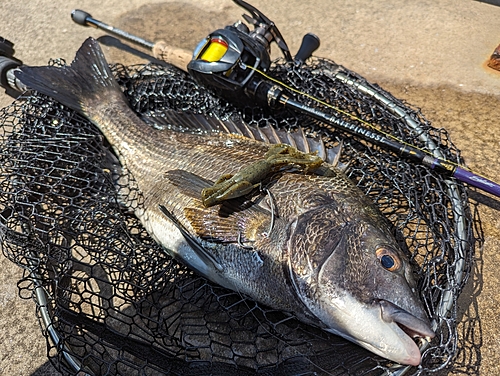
278	226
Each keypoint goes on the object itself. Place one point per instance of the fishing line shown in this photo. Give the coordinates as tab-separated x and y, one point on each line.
273	207
354	117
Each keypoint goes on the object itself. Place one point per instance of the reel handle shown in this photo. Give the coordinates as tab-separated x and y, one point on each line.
310	43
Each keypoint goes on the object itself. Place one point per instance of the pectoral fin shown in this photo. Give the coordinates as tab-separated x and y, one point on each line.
188	183
241	226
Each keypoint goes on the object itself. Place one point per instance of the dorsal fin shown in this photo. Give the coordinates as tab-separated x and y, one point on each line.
197	123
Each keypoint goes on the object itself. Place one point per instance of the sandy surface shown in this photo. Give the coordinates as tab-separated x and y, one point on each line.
428	52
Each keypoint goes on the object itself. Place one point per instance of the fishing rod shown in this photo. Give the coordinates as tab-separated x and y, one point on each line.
233	62
160	49
85	19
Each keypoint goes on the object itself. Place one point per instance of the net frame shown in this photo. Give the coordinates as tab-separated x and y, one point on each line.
442	273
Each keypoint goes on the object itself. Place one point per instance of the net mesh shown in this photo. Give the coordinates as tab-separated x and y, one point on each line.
111	301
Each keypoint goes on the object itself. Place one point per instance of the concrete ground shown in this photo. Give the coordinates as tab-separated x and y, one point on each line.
431	53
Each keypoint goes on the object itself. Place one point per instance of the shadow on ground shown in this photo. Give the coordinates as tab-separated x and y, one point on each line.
46	369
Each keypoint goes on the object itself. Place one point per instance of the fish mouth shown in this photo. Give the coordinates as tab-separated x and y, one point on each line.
381	327
409	326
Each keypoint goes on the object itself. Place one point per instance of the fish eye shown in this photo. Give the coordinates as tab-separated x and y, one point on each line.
388	259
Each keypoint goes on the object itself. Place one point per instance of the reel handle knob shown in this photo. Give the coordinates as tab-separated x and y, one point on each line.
310	43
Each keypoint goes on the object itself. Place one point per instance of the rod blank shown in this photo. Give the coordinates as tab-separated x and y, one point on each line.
85	19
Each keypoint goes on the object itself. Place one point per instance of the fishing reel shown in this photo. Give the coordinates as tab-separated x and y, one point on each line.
228	60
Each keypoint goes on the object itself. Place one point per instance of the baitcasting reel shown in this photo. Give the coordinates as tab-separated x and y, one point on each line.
227	60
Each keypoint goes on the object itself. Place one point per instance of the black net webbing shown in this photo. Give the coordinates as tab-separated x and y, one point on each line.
112	302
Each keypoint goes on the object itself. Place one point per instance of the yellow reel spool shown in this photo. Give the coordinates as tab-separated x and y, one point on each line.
215	50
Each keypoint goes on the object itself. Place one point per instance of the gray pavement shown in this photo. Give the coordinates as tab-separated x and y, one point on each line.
431	53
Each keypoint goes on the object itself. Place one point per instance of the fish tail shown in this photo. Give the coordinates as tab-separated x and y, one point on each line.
78	85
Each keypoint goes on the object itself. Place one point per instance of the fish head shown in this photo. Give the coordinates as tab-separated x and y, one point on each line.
354	278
